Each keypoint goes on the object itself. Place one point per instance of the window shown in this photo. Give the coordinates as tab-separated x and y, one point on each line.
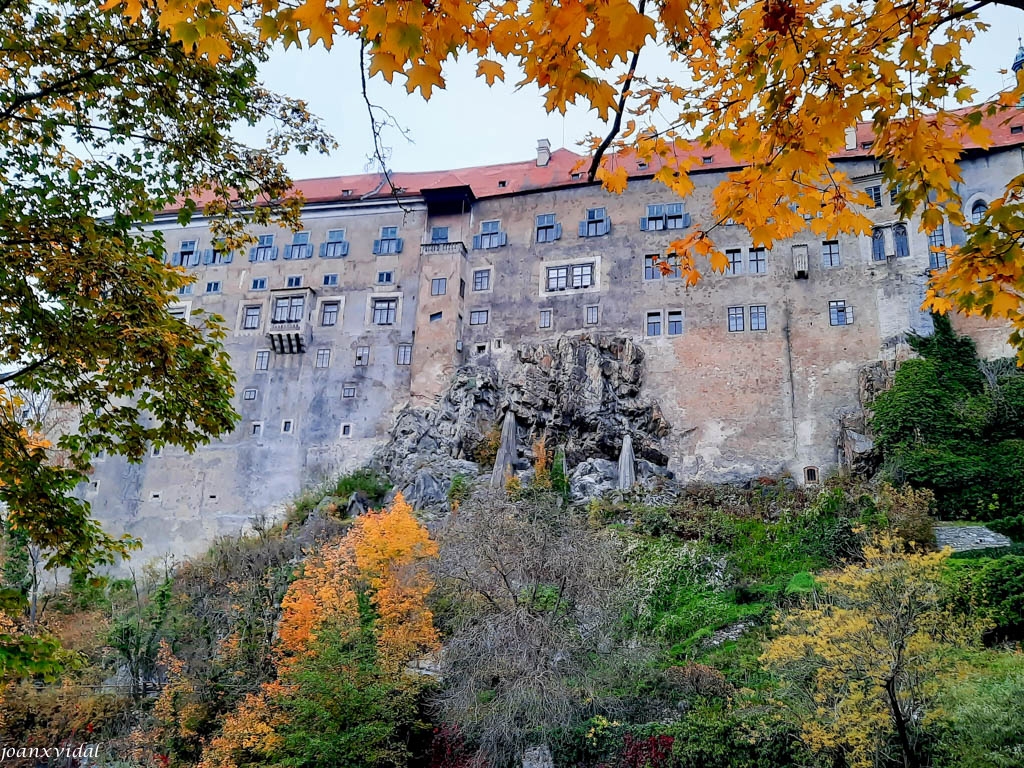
348	390
213	286
582	275
1015	129
179	313
362	355
249	394
978	211
735	319
875	193
490	235
596	223
481	280
155	452
439	234
185	290
329	313
937	259
878	244
187	256
810	474
262	360
256	429
900	240
294	281
439	286
299	248
830	253
892	195
654	323
668	216
331	279
478	317
389	241
707	159
735	257
558	278
651	270
286	426
592	315
675	322
385	278
346	430
259	284
264	249
385	311
251	319
404	356
839	313
335	247
548	230
462	288
758	261
288	309
434	317
323	358
545	318
576	176
759	318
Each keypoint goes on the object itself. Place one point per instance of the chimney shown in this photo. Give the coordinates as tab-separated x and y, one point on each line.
851	137
543	152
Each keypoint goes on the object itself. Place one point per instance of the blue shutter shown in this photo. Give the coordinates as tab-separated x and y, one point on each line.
208	256
176	259
503	239
583	229
674	209
607	227
288	251
686	220
558	231
344	248
398	244
476	241
376	246
643	224
323	250
273	253
227	257
252	253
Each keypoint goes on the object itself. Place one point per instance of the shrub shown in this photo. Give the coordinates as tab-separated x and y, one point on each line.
908	512
698	680
1012	527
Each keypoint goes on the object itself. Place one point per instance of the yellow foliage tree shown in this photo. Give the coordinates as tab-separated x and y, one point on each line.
775	84
860	665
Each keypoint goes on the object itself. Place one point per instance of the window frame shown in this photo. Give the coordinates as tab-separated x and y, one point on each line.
329	308
323	358
737	264
245	394
331	280
757	261
384	311
653	319
475	314
438	235
547	314
362	355
592	315
673	317
486	274
736	318
258	284
261	361
830	254
438	286
403	354
252	321
288	309
839	309
759	311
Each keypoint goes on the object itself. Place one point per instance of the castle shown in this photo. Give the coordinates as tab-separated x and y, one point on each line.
386	293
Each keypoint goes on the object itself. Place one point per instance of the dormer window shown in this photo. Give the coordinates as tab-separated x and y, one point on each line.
389	241
707	160
490	235
596	224
576	176
502	183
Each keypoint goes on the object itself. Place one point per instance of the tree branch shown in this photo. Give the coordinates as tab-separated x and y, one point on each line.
27	369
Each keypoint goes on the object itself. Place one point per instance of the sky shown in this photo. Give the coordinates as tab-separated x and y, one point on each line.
469	124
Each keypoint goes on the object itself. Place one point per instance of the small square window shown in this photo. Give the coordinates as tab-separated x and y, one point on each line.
331	280
156	451
404	356
545	318
675	322
736	319
592	315
249	394
346	430
478	317
362	355
385	278
502	183
654	323
213	286
286	426
262	360
481	280
1015	129
294	281
323	358
439	286
256	429
185	290
259	284
348	390
576	176
435	316
251	319
707	159
439	235
839	313
759	318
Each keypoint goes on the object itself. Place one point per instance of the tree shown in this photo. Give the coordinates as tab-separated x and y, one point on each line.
103	124
860	663
535	599
775	84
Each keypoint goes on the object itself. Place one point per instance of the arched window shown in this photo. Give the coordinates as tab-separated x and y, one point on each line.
878	244
977	211
810	474
900	240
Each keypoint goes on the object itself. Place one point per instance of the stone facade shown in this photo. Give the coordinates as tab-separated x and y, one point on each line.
345	339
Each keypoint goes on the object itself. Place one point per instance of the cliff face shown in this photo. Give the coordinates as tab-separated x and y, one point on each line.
584	393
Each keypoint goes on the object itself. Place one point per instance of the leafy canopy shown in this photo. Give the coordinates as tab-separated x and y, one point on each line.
775	83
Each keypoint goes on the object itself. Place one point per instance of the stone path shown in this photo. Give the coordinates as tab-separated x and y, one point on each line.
964	537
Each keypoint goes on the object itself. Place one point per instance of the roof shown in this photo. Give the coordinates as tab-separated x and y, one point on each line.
564	165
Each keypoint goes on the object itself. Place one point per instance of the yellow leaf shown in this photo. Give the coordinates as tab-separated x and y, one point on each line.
423	77
490	70
613	181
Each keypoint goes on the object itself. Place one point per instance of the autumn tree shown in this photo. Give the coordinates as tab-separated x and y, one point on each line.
534	601
103	124
860	663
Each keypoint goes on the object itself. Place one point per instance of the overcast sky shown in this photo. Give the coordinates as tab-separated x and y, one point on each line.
470	124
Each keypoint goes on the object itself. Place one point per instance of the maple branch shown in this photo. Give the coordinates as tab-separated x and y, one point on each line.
971	9
27	369
627	83
375	127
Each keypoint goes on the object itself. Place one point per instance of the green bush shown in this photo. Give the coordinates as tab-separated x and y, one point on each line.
992	587
1012	527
